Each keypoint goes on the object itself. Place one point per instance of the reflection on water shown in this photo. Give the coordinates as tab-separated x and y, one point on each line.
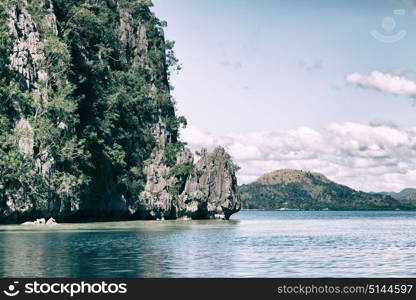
253	244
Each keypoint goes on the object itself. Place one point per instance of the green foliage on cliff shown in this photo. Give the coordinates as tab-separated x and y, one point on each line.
91	116
181	173
171	150
16	170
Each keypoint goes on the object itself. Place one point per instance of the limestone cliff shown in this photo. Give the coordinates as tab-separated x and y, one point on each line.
88	129
205	190
211	189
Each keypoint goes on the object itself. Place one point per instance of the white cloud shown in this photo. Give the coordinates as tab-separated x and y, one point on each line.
366	157
384	82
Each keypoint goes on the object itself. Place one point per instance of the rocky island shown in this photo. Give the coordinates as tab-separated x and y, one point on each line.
88	129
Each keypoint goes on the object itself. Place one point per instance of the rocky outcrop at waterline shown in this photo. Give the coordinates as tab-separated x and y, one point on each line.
42	221
211	189
205	190
88	129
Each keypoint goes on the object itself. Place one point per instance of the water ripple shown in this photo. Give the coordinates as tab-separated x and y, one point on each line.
253	244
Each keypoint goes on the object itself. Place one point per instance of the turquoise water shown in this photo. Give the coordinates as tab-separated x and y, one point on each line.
251	244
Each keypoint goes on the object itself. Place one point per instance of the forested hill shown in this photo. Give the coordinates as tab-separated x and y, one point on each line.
295	189
88	129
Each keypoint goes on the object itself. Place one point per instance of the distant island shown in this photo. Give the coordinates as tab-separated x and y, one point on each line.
296	189
406	196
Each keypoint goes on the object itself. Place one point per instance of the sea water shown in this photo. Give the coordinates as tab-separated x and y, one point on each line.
251	244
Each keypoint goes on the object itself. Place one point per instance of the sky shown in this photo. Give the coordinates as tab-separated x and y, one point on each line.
317	85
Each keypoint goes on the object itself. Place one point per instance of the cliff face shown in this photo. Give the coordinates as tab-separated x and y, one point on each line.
88	129
205	190
211	189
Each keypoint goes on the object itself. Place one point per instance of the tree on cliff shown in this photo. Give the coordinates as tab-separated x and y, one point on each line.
88	128
89	114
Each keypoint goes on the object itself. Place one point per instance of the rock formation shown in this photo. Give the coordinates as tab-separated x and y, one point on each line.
211	189
42	221
90	132
205	190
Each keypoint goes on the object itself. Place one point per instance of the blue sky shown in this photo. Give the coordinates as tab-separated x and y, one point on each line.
280	66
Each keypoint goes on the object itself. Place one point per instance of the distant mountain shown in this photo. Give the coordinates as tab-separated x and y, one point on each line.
406	196
401	194
295	189
409	200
